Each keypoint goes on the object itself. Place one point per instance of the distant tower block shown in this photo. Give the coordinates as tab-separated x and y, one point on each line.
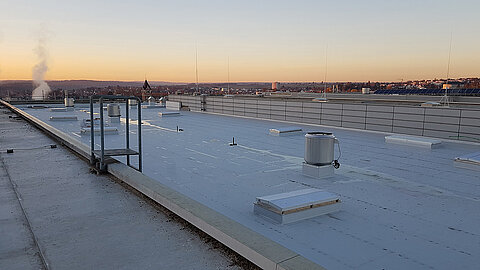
274	85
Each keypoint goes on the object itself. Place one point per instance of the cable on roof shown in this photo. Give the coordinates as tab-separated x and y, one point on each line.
336	164
11	150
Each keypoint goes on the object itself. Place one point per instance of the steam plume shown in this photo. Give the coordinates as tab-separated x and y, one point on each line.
1	39
38	71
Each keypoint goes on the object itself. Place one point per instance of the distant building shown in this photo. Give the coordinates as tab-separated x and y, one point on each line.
274	85
453	85
365	90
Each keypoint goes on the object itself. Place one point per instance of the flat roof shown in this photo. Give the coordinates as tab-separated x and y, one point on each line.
402	206
56	214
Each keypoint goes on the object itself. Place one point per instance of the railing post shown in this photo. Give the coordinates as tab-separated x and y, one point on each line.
92	136
139	120
127	128
459	124
102	137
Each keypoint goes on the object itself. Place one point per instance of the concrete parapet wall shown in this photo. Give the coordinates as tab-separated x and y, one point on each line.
447	123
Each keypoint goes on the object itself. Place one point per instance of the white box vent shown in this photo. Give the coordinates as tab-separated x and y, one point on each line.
296	205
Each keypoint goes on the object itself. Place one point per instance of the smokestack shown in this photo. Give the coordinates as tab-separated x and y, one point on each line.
42	89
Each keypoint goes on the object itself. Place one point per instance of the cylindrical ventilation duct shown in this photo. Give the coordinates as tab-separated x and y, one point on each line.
132	102
113	110
319	148
69	102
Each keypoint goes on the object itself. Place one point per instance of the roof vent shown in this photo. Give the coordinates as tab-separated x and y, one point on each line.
69	102
319	152
96	130
67	109
470	161
113	110
132	102
64	118
163	114
319	148
296	205
413	141
285	131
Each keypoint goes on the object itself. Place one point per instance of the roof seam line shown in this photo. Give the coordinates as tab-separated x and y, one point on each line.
34	237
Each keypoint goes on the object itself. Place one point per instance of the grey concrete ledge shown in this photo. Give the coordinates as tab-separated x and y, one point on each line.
256	248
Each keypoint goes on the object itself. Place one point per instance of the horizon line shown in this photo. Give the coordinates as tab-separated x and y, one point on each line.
181	82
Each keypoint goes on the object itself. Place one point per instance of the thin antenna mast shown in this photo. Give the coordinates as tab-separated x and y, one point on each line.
445	100
324	93
196	66
144	88
228	75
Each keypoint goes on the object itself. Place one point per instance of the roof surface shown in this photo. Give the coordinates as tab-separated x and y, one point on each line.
402	206
69	218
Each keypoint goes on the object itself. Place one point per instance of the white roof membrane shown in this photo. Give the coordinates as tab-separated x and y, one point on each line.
402	207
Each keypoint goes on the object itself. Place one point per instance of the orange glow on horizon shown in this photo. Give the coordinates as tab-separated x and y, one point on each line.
286	41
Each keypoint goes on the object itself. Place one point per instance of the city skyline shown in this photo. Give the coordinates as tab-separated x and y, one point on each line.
263	41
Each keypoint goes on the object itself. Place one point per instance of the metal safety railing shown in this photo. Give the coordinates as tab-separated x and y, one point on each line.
98	157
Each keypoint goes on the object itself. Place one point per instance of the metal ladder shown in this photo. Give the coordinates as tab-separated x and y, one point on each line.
98	157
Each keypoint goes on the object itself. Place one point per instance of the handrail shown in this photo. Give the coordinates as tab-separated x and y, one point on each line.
101	98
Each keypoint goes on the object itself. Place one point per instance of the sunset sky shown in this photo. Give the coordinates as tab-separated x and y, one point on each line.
263	40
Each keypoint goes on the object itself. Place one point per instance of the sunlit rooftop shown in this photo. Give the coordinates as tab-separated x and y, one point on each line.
402	206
